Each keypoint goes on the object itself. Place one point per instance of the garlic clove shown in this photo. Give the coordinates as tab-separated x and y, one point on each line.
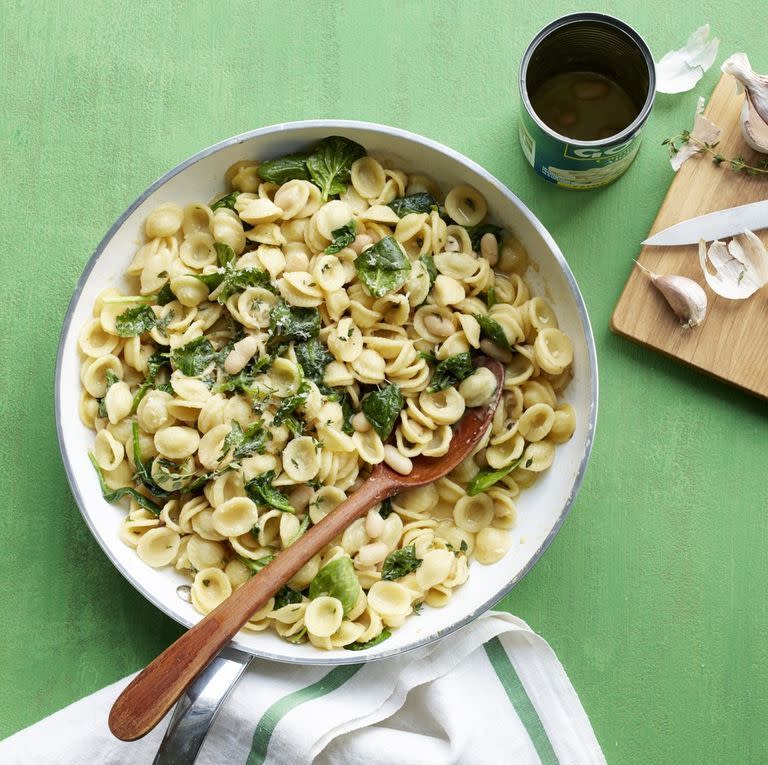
684	296
754	112
740	267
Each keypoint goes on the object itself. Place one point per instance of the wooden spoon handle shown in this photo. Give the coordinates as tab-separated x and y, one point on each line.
152	693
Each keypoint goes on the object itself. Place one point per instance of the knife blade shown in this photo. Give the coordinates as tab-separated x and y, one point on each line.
715	225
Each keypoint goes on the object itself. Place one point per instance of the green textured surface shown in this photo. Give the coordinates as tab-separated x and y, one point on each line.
653	594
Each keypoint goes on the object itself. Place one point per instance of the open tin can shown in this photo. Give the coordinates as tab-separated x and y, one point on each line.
610	49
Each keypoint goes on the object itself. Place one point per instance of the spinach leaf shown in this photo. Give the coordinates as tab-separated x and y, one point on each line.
383	267
287	323
382	407
114	495
487	477
399	563
194	357
286	596
421	202
165	295
429	264
227	201
380	638
225	282
337	579
135	321
224	254
289	168
203	479
330	164
386	508
342	237
111	378
258	564
476	233
154	364
246	442
291	403
144	470
451	371
490	297
261	491
492	330
313	357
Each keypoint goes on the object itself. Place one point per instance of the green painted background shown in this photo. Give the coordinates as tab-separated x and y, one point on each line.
653	594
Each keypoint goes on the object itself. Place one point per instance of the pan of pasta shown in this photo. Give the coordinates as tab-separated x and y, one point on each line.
277	315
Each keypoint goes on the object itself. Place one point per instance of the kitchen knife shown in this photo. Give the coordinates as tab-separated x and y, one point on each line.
716	225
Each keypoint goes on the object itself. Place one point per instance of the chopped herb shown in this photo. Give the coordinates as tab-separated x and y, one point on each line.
417	607
227	201
383	267
135	321
313	357
303	526
382	407
399	563
291	403
330	164
287	323
289	168
490	298
421	202
194	357
342	237
170	476
487	477
114	495
286	596
246	442
491	329
380	638
262	492
451	371
386	508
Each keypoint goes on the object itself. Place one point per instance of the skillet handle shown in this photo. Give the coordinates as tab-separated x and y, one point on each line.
196	710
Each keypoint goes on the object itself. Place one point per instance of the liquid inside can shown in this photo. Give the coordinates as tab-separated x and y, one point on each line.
587	84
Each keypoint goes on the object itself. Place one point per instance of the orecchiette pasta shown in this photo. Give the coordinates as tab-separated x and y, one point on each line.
288	336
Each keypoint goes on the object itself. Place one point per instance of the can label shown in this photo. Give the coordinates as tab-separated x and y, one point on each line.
575	167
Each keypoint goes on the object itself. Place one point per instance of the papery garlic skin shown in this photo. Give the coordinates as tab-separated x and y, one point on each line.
754	112
740	267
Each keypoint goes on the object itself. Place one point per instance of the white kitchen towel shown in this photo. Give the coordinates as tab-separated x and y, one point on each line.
493	692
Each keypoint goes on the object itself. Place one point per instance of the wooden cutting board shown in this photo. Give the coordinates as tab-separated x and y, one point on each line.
732	343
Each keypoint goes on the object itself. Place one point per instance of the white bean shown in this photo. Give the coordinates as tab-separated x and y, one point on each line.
242	352
374	524
371	554
360	423
489	248
398	462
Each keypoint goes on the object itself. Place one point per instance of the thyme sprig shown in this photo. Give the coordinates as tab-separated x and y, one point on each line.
738	164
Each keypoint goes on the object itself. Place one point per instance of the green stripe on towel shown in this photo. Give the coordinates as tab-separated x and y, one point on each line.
270	719
519	699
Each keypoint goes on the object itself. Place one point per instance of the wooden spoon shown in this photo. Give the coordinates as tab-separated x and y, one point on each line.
156	689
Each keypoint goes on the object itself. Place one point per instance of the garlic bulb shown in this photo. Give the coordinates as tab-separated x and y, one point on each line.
754	112
685	297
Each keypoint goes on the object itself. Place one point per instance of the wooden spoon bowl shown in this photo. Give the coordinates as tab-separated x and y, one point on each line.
152	693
